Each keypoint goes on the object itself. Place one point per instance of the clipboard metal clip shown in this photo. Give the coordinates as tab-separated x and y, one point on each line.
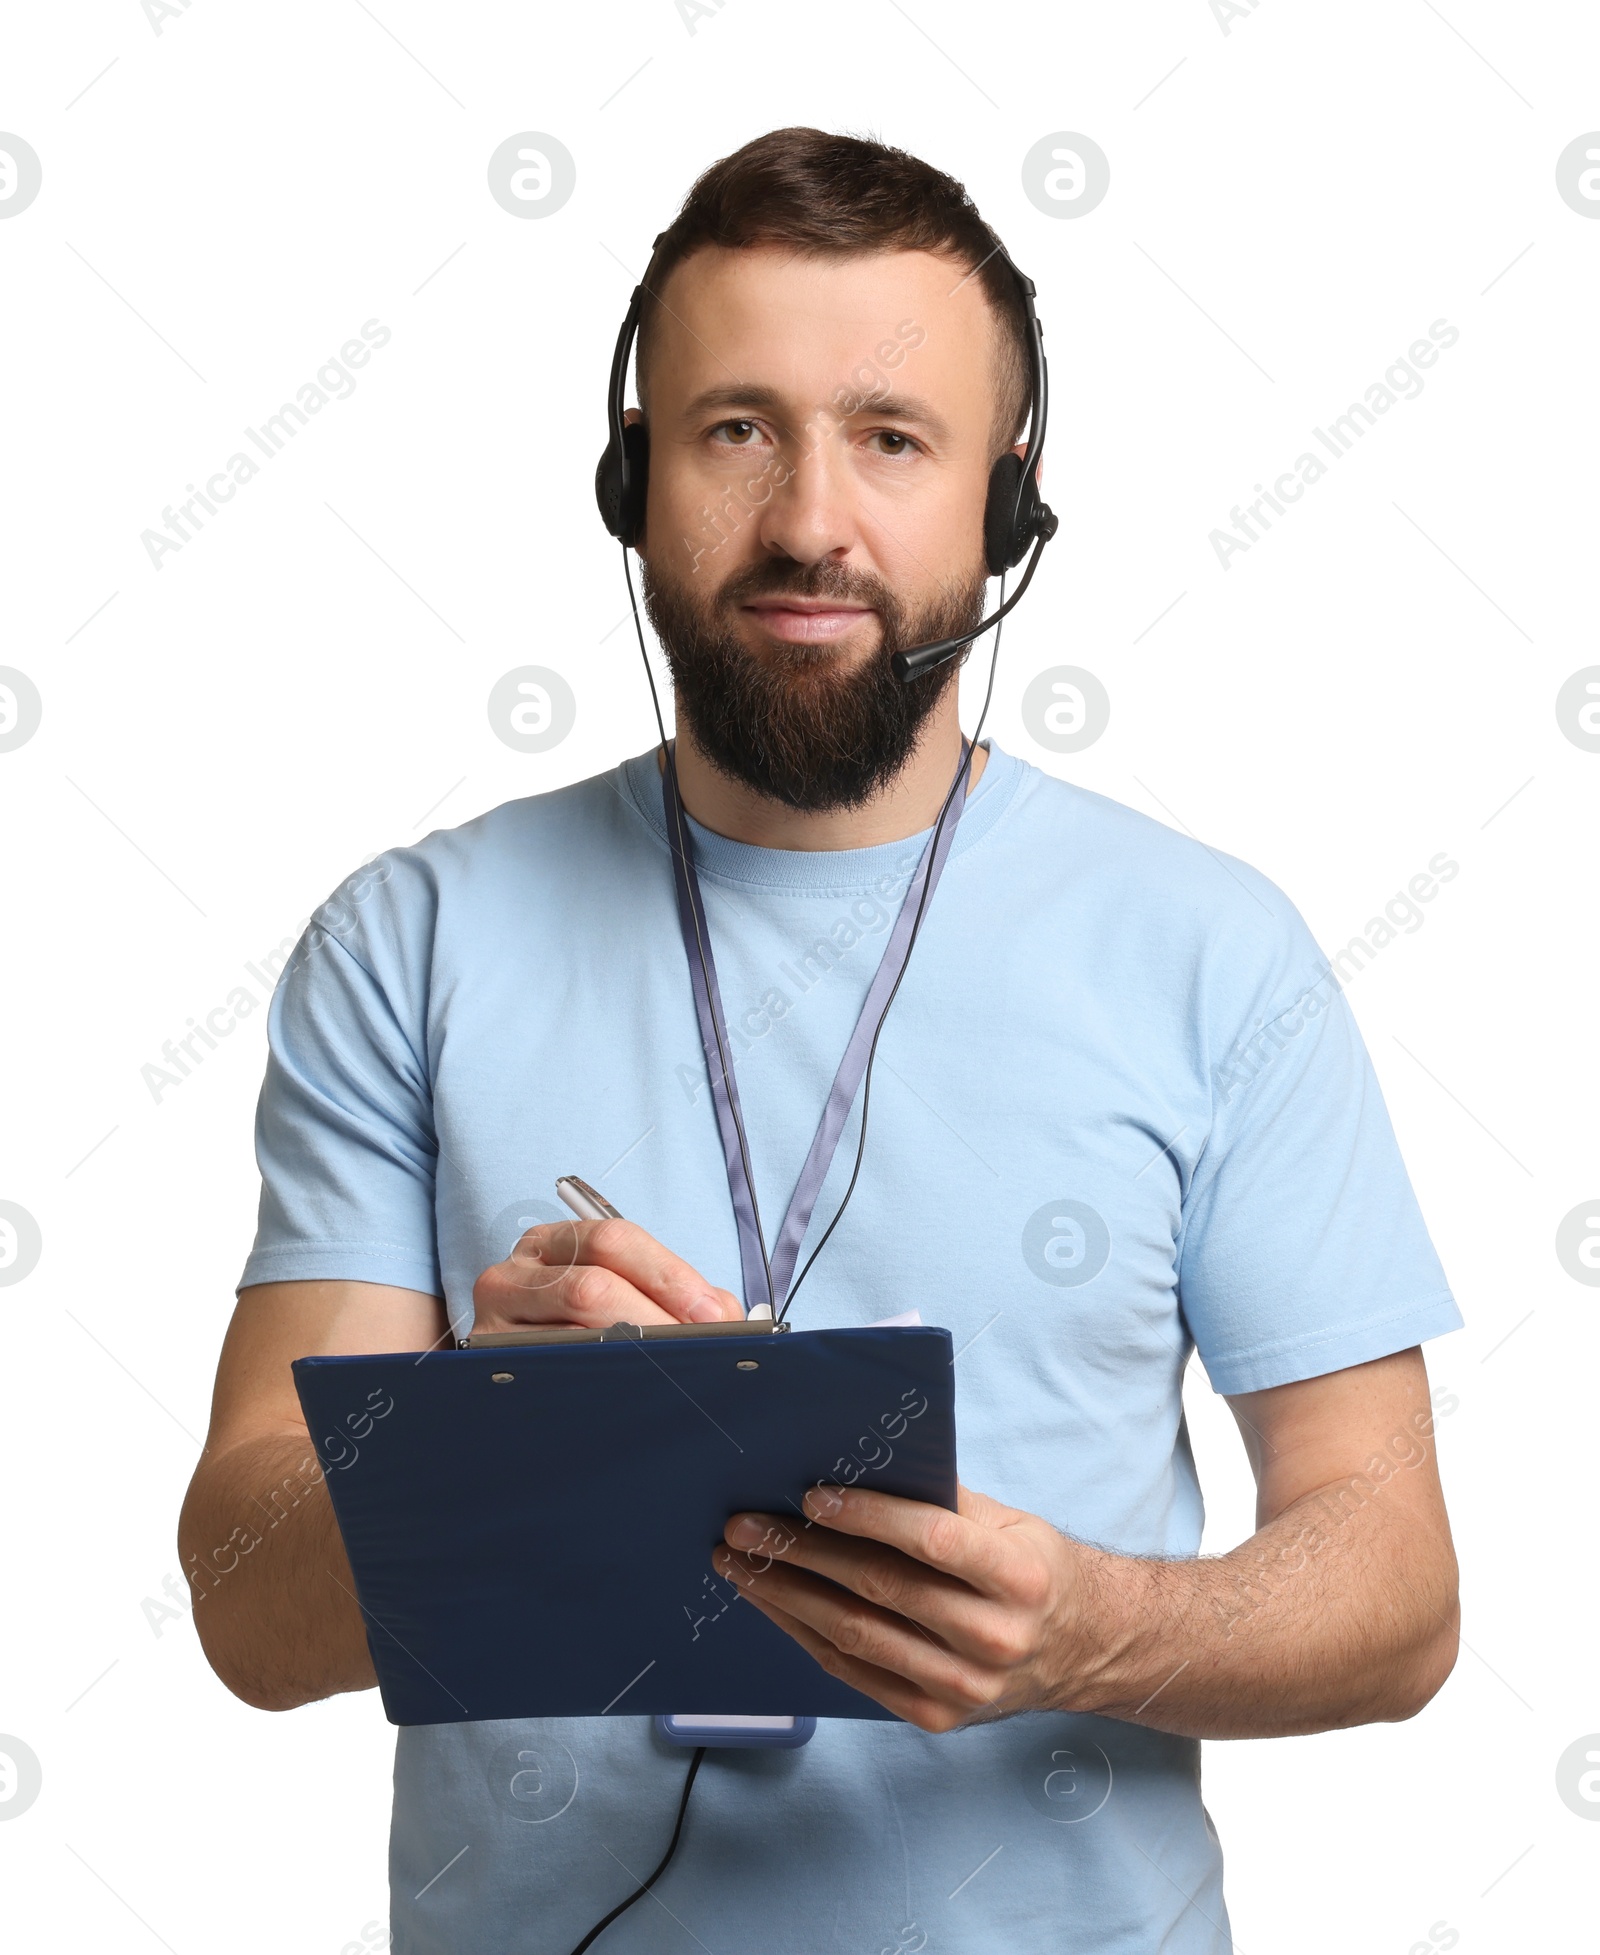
616	1333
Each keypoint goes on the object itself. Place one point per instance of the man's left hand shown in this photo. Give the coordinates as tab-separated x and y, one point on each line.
945	1619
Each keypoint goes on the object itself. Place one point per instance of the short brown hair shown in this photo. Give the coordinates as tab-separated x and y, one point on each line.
835	196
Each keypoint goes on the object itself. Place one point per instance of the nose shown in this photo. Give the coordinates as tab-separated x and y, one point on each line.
811	514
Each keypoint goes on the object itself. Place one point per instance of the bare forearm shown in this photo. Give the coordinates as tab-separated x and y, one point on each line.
273	1597
1321	1619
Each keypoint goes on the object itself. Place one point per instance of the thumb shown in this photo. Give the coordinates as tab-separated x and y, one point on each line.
979	1507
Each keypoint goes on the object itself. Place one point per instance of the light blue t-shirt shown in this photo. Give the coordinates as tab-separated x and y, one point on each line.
1120	1110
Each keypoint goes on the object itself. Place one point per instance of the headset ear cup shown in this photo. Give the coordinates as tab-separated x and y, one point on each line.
1007	520
608	488
636	446
623	512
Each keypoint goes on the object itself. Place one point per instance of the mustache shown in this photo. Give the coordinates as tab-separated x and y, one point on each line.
782	577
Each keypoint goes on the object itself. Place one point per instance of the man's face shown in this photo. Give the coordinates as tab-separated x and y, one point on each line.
821	435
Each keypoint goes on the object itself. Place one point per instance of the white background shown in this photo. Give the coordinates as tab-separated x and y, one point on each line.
228	736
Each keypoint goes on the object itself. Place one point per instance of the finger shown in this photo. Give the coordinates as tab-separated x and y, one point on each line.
562	1273
939	1602
975	1551
523	1291
984	1508
883	1686
631	1252
865	1633
975	1630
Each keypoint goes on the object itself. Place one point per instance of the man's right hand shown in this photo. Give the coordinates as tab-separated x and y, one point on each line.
592	1274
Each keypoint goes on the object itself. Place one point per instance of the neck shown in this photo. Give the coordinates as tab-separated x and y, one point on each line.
906	805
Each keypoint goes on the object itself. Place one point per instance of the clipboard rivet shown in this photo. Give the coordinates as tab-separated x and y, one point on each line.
502	1377
746	1364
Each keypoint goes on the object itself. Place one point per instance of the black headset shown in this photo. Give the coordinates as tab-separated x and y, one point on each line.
1015	516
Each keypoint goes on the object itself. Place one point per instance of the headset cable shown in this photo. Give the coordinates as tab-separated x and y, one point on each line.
644	1886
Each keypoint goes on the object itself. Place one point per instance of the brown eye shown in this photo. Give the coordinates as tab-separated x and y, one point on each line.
739	432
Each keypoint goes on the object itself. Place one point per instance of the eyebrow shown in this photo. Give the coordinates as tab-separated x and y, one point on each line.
767	400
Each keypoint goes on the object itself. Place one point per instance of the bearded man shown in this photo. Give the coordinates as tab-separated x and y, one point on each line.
1121	1113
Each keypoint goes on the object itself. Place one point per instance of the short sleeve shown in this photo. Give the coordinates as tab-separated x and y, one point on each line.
344	1126
1302	1248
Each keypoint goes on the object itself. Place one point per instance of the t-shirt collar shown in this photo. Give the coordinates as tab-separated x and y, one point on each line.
818	871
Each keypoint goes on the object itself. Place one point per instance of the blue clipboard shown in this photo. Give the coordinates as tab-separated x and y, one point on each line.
530	1529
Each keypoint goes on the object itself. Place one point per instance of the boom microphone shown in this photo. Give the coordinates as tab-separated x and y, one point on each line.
917	659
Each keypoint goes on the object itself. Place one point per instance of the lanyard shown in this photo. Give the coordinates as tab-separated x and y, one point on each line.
714	1038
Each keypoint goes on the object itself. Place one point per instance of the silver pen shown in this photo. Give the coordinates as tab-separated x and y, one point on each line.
587	1203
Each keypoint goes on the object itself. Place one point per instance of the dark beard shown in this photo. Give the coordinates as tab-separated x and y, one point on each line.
786	720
